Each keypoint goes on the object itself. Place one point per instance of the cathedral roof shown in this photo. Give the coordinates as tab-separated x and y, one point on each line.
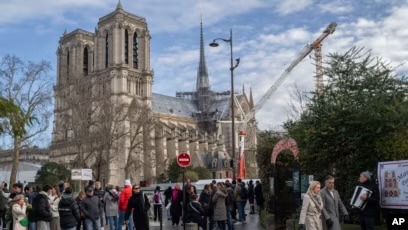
173	105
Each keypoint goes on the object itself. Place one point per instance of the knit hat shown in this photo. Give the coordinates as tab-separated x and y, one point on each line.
367	174
127	182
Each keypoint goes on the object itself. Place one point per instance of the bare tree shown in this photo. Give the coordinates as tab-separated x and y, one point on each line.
141	143
29	85
298	103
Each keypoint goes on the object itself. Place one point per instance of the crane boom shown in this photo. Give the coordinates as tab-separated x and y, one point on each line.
251	114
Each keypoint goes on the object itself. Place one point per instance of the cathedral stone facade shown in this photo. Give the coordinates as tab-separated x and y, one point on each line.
113	64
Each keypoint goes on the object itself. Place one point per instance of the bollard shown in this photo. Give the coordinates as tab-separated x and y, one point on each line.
191	226
161	217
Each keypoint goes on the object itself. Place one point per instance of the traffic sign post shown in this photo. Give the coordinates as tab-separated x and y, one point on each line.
184	160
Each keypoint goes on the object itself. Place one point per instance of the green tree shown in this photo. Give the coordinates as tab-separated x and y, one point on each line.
203	173
51	173
358	119
193	176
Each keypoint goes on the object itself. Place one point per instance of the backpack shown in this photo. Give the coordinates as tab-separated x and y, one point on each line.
156	198
244	193
229	200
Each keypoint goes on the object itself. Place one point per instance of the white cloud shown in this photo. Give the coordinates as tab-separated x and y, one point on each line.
336	7
292	6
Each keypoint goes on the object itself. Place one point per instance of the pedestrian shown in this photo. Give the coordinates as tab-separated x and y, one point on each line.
333	206
189	185
312	207
90	207
157	204
220	209
42	209
189	191
54	201
367	215
211	221
28	193
19	207
78	200
68	210
3	206
229	202
176	209
140	205
167	195
100	193
111	199
239	196
234	207
124	197
205	201
259	196
251	196
195	212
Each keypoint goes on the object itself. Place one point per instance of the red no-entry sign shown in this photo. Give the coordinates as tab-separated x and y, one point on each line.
183	160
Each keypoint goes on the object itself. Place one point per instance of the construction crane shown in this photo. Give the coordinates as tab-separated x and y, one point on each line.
316	45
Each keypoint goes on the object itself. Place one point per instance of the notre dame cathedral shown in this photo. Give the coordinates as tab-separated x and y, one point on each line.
113	63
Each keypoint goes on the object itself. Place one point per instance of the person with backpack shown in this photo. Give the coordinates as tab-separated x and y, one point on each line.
239	194
68	211
157	203
195	212
229	203
111	199
42	209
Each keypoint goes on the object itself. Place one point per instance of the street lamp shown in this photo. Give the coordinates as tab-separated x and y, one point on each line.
215	44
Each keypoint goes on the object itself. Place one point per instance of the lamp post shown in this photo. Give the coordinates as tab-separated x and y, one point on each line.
232	67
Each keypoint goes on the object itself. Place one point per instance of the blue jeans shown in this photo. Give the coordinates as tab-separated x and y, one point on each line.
122	219
241	211
229	218
32	226
92	224
113	221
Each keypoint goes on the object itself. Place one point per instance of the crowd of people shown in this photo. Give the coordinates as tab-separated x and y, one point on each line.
323	208
220	205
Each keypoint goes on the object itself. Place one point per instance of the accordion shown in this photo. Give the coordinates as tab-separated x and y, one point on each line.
356	201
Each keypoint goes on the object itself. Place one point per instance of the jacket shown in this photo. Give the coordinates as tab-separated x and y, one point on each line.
19	213
372	201
111	203
41	207
140	204
194	212
54	206
220	213
125	194
68	211
237	193
100	193
259	194
90	207
311	213
333	207
251	192
205	202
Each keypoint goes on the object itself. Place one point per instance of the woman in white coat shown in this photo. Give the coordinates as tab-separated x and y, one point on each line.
19	212
311	214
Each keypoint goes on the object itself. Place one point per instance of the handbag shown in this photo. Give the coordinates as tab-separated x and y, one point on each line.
24	222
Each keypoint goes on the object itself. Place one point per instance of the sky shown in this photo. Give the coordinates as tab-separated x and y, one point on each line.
267	36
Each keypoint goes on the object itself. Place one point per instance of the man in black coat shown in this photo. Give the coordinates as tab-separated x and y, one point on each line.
68	210
195	212
140	205
367	215
41	212
251	197
259	196
100	193
205	201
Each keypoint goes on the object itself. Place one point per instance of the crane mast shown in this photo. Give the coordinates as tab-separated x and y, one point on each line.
316	45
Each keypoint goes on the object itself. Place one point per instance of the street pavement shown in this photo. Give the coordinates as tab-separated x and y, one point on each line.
251	224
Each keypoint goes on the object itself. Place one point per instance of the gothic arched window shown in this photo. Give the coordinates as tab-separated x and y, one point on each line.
135	50
126	47
85	62
106	50
68	63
